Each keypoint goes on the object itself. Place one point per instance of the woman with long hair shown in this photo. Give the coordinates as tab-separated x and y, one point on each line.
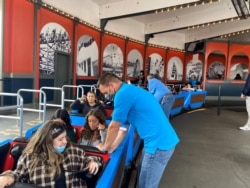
86	103
50	160
95	129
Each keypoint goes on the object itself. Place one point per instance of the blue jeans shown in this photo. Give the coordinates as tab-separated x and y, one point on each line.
152	168
167	103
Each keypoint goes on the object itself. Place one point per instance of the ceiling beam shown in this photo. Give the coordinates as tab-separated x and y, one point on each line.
121	9
217	30
184	18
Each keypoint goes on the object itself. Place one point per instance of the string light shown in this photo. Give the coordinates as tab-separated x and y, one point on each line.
235	33
213	23
187	5
63	13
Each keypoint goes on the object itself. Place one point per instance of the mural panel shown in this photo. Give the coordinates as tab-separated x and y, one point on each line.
239	71
113	60
53	37
194	67
216	70
135	62
87	56
156	65
175	69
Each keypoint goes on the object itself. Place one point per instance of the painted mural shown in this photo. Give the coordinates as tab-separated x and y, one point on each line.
156	67
135	62
113	60
87	56
216	70
53	37
175	69
239	71
194	67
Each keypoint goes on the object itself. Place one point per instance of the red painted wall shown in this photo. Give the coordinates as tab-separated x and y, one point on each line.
18	37
19	42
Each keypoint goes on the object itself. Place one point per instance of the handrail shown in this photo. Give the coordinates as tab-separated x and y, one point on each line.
40	110
77	91
92	87
50	104
18	107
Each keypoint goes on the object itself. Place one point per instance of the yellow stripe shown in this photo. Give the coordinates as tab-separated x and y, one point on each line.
200	109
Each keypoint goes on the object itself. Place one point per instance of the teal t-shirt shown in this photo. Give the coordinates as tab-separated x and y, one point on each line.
142	110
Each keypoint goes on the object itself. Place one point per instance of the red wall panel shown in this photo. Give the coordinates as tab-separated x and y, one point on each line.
18	37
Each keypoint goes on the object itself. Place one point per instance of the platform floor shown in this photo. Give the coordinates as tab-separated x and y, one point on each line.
212	153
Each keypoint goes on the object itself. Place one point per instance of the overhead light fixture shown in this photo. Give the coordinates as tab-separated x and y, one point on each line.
242	8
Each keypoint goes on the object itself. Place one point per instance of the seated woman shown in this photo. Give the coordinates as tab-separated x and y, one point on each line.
188	87
95	129
64	115
86	103
198	87
50	160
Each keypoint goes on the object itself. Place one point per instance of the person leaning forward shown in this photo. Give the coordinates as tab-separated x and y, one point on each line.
141	110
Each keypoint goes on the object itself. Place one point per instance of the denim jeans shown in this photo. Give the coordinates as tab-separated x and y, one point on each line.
152	168
167	103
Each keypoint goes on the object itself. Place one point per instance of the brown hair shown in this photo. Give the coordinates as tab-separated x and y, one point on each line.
87	133
41	146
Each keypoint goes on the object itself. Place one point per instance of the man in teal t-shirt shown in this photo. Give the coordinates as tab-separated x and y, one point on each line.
143	111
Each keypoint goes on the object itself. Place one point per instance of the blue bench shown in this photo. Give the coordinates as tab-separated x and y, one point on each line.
194	99
178	104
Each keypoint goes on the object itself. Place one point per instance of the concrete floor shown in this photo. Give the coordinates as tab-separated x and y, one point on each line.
9	127
213	152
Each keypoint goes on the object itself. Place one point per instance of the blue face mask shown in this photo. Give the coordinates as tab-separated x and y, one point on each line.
60	149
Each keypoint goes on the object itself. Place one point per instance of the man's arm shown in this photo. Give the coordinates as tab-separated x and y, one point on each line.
113	130
121	134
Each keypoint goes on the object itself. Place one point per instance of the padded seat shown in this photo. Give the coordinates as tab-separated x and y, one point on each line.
14	152
3	154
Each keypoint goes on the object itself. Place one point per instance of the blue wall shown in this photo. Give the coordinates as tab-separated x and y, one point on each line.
12	85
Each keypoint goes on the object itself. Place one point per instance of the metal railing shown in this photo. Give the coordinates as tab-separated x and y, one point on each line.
79	90
92	87
42	106
18	107
51	104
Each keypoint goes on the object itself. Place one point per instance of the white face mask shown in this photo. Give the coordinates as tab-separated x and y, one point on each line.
110	95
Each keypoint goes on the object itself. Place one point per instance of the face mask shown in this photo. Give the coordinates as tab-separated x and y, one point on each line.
110	95
60	149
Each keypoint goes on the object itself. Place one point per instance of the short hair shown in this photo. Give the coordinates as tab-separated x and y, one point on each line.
106	78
